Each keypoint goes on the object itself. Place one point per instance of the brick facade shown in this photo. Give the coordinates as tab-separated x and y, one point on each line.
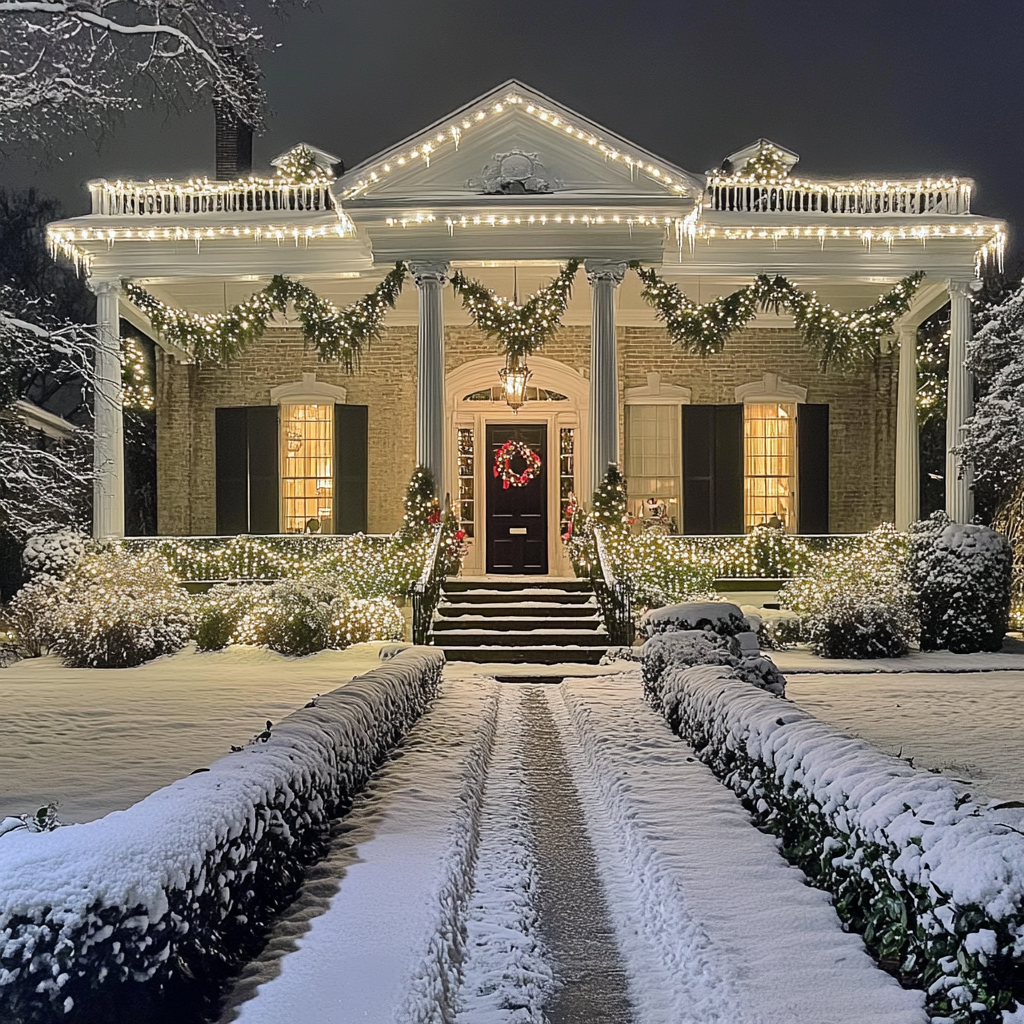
862	409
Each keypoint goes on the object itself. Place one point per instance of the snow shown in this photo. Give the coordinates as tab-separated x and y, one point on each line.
99	740
802	660
964	725
720	616
715	926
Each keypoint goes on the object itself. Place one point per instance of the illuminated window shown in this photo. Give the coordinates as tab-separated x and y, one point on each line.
566	474
467	505
307	468
769	463
653	462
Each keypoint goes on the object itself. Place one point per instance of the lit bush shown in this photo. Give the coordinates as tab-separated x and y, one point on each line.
289	616
219	614
31	616
857	602
356	620
118	610
961	574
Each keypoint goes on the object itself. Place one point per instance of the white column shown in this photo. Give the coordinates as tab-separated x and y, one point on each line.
108	414
908	472
959	403
430	278
604	277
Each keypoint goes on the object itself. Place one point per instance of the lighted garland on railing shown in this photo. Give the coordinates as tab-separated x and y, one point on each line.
335	334
841	339
520	329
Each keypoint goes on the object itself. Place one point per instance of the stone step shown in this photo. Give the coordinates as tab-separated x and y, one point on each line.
525	655
446	610
506	586
516	622
527	638
520	596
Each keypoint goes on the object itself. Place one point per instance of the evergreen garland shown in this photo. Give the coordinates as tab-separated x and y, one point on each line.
521	330
841	339
335	334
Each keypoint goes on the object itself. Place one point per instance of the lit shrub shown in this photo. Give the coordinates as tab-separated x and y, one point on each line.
219	614
356	620
961	574
31	616
857	602
119	610
288	616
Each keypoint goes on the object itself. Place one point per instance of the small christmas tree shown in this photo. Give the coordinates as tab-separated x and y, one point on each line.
608	506
421	505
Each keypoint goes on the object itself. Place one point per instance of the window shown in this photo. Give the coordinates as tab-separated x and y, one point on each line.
566	474
467	504
653	459
769	463
497	394
307	468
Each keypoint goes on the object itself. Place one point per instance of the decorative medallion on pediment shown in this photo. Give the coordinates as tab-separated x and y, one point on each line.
514	173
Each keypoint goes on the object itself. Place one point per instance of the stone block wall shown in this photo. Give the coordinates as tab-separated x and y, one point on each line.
862	409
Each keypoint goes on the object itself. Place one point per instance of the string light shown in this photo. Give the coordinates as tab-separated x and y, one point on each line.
838	338
334	333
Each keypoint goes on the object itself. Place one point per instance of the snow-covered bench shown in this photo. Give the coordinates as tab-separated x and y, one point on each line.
166	898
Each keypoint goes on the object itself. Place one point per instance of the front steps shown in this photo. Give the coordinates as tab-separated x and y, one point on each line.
542	622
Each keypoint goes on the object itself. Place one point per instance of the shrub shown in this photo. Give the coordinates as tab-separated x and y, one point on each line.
118	610
289	616
32	616
720	616
219	613
354	621
857	602
961	574
54	554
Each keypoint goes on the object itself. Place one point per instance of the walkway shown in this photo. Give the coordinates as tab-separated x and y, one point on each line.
553	853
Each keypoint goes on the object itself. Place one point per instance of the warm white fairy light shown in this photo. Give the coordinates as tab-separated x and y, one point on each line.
452	137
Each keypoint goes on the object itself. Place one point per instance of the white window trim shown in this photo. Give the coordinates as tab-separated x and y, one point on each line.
308	391
654	392
771	388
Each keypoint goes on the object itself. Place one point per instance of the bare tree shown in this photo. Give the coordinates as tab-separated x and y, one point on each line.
72	64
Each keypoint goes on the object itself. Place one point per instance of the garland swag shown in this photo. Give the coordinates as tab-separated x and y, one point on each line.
336	334
841	339
520	330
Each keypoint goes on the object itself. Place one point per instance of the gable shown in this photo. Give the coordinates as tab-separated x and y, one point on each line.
556	150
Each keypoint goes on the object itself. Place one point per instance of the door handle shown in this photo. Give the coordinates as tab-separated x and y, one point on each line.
517	529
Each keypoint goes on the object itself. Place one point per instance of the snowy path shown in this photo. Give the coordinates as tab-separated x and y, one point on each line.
966	725
544	853
99	740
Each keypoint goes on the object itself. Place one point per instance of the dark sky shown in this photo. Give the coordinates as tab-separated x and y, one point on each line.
860	87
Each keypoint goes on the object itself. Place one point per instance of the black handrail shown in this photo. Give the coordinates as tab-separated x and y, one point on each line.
614	595
426	591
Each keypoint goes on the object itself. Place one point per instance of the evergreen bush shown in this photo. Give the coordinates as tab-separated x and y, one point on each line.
288	616
961	574
219	613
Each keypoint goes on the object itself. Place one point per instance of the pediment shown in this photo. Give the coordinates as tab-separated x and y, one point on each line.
514	134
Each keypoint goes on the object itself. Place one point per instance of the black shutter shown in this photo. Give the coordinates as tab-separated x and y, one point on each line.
698	469
728	469
264	474
813	468
350	468
231	460
712	469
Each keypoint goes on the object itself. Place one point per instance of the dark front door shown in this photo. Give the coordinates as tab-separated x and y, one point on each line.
517	517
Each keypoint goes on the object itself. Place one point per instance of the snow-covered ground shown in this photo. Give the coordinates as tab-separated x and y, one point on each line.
966	724
98	740
709	924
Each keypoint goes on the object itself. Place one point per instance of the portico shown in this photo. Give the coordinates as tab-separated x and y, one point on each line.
506	190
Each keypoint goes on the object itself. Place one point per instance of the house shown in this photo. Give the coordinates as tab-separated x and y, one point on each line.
506	190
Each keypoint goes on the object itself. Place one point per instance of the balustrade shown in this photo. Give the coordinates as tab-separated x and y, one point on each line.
170	198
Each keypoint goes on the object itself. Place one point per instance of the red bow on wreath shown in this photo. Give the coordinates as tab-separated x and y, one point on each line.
503	464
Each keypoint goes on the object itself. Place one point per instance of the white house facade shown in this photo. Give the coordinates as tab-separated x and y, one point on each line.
506	190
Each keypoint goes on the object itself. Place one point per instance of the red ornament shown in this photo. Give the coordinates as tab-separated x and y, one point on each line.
503	464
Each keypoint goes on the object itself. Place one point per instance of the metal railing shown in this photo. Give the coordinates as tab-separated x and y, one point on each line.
426	591
862	199
184	198
614	595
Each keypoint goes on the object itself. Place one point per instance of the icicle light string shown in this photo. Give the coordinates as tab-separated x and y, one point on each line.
336	334
841	339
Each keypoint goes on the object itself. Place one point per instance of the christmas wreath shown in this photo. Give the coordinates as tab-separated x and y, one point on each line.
503	464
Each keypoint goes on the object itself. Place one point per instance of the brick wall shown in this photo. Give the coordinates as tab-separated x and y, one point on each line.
862	409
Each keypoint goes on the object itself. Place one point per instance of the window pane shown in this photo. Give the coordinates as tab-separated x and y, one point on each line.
653	463
307	468
769	464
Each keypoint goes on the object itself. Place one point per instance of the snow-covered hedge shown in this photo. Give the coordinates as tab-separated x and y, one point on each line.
54	554
961	574
934	882
166	899
720	616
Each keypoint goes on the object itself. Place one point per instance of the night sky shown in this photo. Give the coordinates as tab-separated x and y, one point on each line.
862	88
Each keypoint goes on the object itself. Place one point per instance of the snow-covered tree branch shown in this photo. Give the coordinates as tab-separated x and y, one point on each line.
69	64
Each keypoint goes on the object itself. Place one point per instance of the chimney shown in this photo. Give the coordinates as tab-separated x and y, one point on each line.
234	143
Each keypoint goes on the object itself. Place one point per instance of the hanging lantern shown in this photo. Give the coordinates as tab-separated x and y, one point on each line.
514	378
